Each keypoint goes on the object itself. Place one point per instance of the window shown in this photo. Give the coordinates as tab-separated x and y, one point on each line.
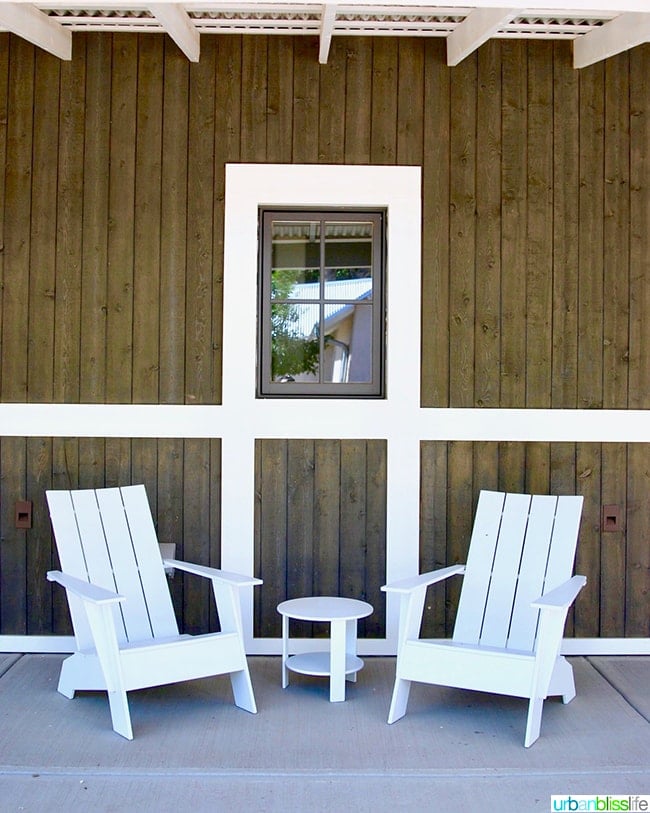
321	309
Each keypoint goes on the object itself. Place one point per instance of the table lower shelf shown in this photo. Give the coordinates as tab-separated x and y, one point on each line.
318	664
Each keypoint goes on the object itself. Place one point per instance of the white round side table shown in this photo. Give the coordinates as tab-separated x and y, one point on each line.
340	662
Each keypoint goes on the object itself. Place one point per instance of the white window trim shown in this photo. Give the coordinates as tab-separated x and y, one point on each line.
398	189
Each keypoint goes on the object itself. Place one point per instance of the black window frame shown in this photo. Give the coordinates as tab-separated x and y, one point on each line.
265	386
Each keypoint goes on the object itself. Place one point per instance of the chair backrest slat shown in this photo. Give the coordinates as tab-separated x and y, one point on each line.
478	570
539	537
503	584
147	555
521	547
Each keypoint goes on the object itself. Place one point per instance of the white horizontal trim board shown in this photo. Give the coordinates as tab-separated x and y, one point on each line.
279	419
273	646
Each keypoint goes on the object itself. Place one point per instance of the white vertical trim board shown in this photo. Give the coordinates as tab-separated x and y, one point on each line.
249	186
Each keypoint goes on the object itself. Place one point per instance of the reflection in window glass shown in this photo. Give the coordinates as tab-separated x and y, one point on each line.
321	304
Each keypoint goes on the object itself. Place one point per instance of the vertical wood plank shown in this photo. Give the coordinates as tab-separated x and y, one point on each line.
254	100
273	565
119	328
512	467
435	365
173	227
147	217
96	162
637	584
117	464
565	229
539	238
383	137
71	193
590	261
331	108
300	509
410	102
616	237
196	534
279	124
305	100
513	224
358	92
353	518
13	558
170	507
487	325
38	538
586	612
613	554
327	500
374	626
93	463
199	352
639	392
144	468
300	512
460	513
462	233
538	468
18	170
433	531
42	235
65	466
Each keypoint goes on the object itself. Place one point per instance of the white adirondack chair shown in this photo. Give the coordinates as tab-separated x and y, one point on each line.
517	590
124	623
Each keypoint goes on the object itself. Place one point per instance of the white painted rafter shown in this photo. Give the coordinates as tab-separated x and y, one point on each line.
618	35
176	22
326	30
474	30
36	27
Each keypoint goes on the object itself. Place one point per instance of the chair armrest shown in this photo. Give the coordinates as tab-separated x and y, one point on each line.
562	597
85	590
234	579
423	580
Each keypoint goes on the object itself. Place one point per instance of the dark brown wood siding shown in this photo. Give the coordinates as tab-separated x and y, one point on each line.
616	563
183	481
320	527
535	199
535	247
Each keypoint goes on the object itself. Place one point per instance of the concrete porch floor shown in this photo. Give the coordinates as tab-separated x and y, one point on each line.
195	751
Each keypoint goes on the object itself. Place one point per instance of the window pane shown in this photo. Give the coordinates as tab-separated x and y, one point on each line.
348	343
348	260
295	344
294	283
295	244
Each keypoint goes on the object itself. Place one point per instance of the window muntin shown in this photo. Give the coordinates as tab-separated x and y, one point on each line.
322	305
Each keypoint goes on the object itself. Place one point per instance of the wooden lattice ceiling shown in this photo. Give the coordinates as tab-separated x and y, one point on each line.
598	28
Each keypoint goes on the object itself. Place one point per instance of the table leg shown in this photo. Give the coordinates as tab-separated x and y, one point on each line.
351	644
285	650
338	637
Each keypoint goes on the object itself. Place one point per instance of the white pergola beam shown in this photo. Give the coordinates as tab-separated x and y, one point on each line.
619	35
326	30
33	25
176	22
474	30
